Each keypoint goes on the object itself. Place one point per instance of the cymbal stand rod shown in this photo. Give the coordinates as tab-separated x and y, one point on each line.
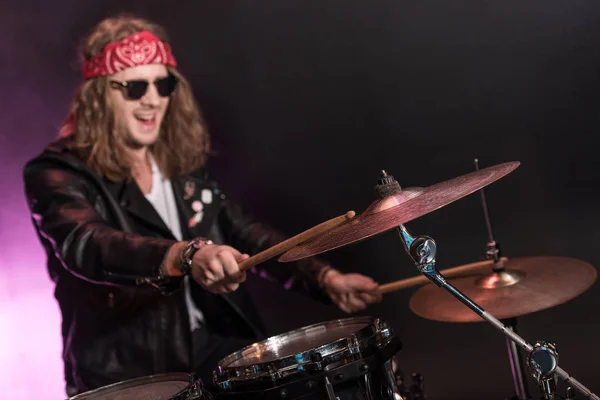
422	250
516	363
493	249
493	252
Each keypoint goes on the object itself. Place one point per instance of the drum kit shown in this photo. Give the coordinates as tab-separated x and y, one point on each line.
353	358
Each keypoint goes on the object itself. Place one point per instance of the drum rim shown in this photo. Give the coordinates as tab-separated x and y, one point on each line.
156	378
234	356
224	375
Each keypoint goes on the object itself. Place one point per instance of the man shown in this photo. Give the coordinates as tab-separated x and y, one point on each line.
142	245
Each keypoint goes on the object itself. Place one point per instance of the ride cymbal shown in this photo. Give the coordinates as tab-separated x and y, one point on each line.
524	286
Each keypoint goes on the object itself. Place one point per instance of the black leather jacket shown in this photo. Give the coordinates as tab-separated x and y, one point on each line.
105	243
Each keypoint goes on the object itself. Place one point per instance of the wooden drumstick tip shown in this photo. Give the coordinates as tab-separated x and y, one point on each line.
350	214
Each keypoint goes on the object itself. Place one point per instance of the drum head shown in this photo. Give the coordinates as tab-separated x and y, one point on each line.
155	387
295	342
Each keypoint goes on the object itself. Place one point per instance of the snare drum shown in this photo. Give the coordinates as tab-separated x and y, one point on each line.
154	387
341	359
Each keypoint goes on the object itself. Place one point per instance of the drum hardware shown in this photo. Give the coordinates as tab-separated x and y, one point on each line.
329	390
512	288
493	253
543	361
338	359
314	382
398	206
422	250
516	363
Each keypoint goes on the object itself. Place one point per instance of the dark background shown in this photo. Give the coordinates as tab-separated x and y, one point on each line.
306	102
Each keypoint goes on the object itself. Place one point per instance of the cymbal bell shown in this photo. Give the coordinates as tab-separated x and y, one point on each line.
525	285
399	208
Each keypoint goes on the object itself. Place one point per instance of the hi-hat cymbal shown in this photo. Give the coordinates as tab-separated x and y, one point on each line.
399	208
526	285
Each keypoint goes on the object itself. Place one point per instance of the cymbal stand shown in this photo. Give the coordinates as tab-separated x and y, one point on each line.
543	358
543	361
514	355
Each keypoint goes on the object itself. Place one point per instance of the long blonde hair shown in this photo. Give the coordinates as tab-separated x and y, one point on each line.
183	144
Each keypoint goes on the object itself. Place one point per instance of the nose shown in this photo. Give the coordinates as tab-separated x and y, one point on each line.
151	97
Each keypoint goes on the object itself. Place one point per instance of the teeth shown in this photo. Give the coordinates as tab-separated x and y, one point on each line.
145	117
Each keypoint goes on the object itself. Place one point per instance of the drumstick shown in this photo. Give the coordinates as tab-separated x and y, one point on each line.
447	273
292	242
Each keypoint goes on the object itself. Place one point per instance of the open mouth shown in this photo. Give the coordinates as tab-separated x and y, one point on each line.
147	121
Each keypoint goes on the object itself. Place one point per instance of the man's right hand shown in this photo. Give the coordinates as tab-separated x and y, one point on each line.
215	268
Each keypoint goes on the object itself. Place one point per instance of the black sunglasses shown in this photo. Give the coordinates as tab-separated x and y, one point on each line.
136	89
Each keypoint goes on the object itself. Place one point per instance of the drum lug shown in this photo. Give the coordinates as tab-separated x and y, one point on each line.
316	362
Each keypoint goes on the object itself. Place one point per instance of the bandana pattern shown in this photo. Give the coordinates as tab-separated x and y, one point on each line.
141	48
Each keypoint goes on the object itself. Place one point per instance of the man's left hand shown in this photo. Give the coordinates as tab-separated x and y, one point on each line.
351	292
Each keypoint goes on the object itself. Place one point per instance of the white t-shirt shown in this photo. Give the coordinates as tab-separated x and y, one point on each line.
162	198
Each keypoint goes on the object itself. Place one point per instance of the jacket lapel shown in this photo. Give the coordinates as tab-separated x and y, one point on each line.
198	202
132	200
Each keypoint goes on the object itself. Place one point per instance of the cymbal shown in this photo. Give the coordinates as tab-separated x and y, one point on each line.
399	208
526	285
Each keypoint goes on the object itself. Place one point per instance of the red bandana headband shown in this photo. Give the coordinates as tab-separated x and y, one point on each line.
138	49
